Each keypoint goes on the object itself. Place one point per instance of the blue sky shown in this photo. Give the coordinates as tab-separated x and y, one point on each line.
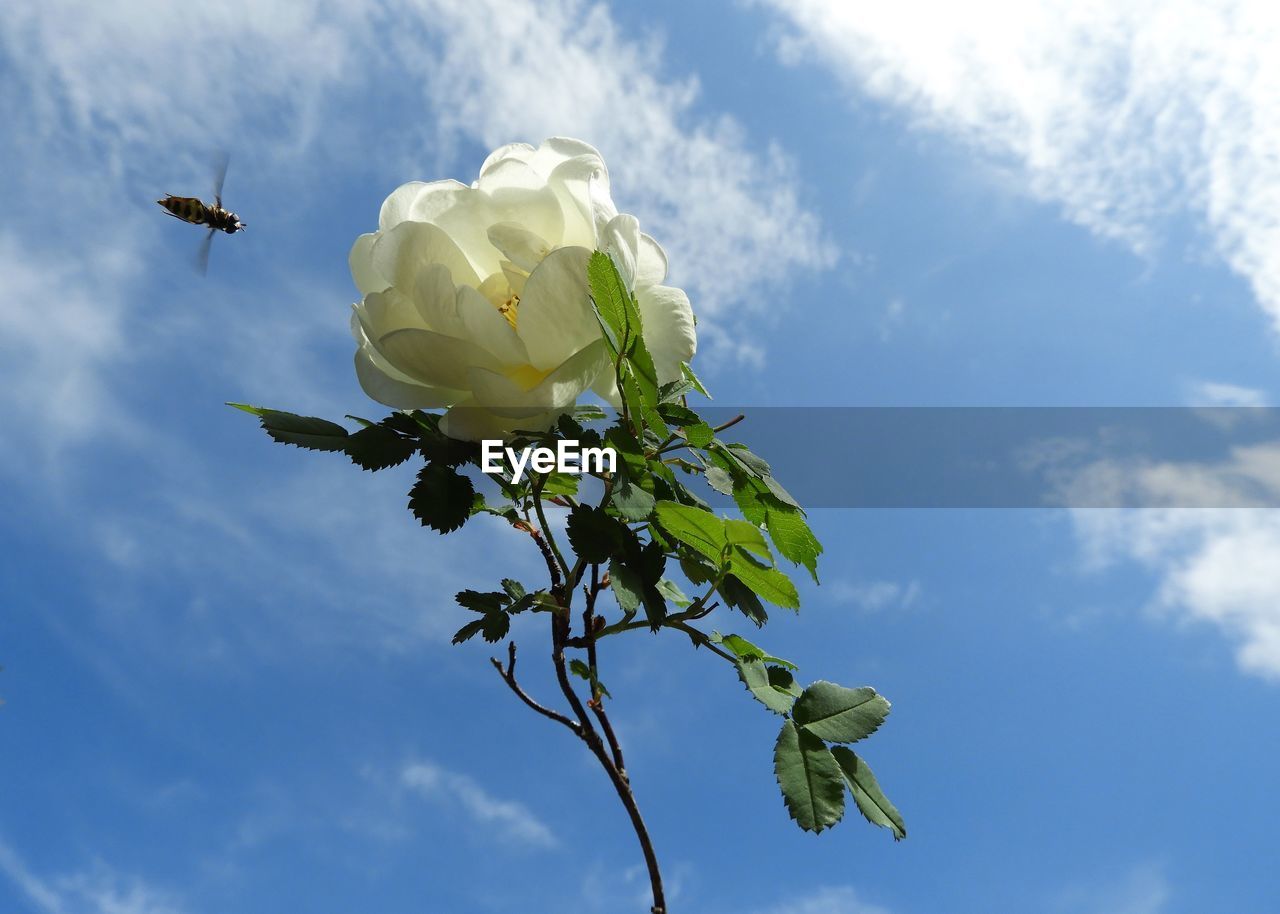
227	677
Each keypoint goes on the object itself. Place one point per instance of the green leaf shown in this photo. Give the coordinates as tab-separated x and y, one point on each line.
812	783
748	651
740	597
631	501
756	465
495	625
668	589
795	541
699	434
677	413
481	602
782	680
514	589
720	480
441	498
768	583
594	535
872	802
840	715
560	484
672	392
580	669
610	295
628	588
468	631
700	530
378	447
301	431
693	379
747	536
778	492
588	413
755	675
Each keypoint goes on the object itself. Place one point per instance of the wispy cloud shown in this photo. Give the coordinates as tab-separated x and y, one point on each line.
1144	890
509	819
97	890
1125	114
876	596
828	900
1218	393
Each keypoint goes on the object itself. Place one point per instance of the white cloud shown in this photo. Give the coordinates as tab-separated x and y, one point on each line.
1217	393
874	596
511	820
1220	567
1144	890
97	890
1126	114
829	900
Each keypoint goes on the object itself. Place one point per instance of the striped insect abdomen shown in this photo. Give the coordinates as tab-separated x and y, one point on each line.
188	209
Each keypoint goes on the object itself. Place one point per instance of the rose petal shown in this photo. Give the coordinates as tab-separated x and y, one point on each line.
366	278
381	313
381	382
400	253
432	358
557	391
520	246
485	326
651	263
468	422
620	239
555	318
668	329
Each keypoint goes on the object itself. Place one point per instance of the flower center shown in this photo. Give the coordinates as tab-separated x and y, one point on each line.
508	309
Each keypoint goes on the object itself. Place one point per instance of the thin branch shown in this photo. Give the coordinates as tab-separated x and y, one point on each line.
509	677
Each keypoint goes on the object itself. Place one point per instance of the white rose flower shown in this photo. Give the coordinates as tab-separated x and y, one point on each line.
476	298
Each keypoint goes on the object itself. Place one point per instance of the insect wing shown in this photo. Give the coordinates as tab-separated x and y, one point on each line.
202	255
219	176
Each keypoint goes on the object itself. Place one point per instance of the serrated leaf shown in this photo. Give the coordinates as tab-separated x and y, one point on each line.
699	434
560	484
468	631
627	587
746	650
673	391
631	501
700	530
740	597
838	714
754	464
693	379
594	535
782	680
589	413
777	491
812	783
479	602
307	432
495	625
795	541
677	414
768	583
755	675
513	588
668	589
748	536
720	480
441	498
377	447
871	801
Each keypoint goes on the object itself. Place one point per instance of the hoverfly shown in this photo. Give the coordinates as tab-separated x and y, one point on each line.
190	209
